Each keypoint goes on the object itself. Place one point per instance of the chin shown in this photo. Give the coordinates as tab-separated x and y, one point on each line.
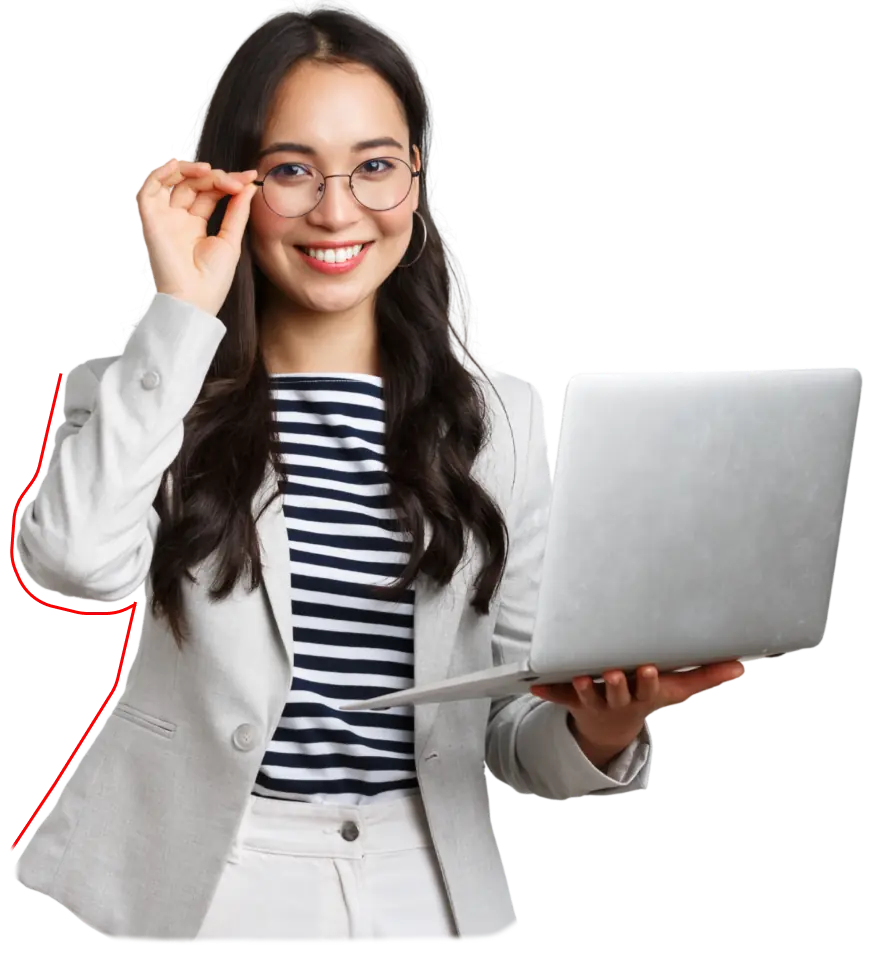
333	301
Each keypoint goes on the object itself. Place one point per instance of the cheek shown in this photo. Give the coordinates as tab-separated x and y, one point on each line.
394	226
268	238
264	225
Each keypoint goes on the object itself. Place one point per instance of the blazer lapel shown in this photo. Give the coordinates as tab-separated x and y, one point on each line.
437	617
275	556
437	610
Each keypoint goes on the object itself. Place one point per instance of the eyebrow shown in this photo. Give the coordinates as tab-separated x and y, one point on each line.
291	147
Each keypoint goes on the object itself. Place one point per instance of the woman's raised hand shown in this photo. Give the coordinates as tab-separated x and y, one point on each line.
175	204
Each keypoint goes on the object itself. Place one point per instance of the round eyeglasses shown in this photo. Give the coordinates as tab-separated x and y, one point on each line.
293	189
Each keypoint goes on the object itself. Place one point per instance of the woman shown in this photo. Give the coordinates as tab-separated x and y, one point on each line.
287	432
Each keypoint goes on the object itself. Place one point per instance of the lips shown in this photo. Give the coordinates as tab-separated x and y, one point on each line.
324	266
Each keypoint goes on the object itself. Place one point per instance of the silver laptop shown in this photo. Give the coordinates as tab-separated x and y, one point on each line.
695	518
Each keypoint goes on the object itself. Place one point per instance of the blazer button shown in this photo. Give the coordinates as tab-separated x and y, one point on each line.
349	831
243	737
150	379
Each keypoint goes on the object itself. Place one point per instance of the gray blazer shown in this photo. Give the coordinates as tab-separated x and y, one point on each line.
137	840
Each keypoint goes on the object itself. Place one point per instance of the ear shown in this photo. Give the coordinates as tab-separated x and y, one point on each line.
416	165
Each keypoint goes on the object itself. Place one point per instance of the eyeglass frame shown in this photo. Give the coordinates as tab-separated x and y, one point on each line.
348	176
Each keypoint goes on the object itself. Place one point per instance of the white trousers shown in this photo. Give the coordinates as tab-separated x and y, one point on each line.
306	870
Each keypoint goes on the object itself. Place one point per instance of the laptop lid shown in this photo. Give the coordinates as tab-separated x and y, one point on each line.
693	514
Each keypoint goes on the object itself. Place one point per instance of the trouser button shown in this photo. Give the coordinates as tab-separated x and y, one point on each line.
349	831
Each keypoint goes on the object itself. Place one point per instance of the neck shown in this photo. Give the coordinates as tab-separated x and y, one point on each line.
295	340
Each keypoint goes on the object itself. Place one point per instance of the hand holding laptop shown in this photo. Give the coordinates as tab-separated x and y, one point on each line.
606	722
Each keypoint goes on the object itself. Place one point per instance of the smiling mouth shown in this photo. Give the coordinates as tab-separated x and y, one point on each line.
303	248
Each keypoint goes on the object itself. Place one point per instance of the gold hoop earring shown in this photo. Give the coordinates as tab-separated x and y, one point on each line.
404	265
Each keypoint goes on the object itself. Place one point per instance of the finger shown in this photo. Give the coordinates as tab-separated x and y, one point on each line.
680	686
235	184
647	683
158	192
200	197
586	693
617	692
564	694
236	216
713	674
167	175
197	194
561	693
185	168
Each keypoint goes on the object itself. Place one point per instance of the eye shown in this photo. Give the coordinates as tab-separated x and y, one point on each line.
368	167
282	171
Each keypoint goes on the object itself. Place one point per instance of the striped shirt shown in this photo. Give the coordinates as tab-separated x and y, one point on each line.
348	644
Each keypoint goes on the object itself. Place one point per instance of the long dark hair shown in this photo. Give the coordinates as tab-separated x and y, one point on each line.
436	410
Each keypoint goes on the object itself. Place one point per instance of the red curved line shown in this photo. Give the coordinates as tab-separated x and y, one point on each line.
130	610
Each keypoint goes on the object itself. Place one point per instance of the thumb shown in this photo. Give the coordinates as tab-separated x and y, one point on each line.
236	215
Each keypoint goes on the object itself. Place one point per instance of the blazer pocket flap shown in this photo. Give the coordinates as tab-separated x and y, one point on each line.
165	728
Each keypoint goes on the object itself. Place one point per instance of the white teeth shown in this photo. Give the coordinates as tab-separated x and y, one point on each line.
334	254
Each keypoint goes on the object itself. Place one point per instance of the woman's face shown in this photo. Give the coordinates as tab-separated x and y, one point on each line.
331	109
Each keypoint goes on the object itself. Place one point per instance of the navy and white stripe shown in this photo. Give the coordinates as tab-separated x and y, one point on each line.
348	644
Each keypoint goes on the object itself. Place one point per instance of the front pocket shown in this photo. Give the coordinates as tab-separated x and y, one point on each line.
164	728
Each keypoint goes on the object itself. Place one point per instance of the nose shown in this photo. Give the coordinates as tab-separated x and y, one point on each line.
337	206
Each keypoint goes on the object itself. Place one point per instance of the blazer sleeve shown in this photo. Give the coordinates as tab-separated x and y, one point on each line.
528	743
90	530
